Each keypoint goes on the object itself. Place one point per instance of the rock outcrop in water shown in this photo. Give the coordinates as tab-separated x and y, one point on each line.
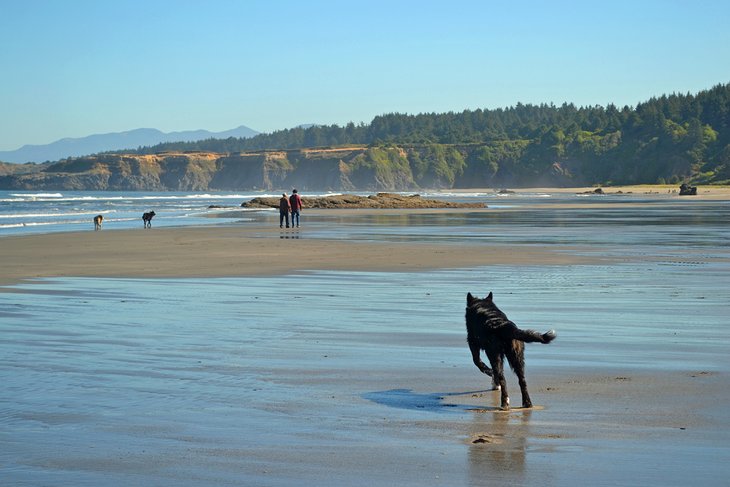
687	190
380	200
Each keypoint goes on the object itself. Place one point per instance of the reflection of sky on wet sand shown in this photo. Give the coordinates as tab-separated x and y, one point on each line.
673	225
329	377
101	370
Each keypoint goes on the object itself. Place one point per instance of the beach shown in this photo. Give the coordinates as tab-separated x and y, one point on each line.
335	354
235	251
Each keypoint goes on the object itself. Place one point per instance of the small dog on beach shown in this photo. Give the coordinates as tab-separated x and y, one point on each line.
147	219
98	220
488	329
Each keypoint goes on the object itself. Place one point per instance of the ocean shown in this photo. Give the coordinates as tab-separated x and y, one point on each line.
344	378
26	212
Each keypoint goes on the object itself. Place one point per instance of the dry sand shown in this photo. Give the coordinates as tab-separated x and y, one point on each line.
234	251
703	192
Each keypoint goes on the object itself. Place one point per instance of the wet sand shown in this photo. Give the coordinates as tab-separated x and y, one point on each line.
342	378
245	355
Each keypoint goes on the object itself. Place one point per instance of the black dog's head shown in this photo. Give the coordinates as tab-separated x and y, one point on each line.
481	312
484	306
472	301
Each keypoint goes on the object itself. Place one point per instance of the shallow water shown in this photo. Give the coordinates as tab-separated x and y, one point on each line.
514	215
702	224
332	378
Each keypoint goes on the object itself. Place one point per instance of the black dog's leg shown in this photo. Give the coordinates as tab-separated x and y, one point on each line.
475	351
498	371
516	360
526	401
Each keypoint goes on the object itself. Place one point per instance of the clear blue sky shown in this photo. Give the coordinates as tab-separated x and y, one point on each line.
73	68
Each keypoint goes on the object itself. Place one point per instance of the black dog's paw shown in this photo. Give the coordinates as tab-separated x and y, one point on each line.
549	336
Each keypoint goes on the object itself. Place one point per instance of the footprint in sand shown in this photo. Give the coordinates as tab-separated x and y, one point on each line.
486	438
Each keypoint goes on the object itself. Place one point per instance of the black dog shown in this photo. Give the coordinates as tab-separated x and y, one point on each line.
488	329
147	219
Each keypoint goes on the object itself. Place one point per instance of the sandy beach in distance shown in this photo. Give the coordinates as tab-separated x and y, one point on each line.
229	251
703	192
245	250
244	354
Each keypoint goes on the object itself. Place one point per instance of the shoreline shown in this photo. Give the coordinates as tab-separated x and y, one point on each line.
260	248
703	191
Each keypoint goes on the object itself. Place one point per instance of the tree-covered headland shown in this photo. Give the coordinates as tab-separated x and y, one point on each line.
668	139
673	139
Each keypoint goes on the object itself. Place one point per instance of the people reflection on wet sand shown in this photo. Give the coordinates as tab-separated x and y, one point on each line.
294	233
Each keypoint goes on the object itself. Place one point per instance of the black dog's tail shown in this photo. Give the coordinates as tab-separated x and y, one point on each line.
530	336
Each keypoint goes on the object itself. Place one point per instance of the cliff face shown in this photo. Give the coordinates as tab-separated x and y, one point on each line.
387	168
340	169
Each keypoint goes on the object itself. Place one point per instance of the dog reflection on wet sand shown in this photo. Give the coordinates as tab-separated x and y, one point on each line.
502	448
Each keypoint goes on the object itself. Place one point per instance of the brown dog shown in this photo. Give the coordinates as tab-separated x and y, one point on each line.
98	220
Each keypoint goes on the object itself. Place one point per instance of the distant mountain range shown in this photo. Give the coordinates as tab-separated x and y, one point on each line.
132	139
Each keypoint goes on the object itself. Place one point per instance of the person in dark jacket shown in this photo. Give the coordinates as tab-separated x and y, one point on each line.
283	211
295	202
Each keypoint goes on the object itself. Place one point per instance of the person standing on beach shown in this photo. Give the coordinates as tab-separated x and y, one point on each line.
283	211
296	205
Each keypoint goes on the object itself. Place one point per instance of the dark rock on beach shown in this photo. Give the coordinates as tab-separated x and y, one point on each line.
379	200
687	190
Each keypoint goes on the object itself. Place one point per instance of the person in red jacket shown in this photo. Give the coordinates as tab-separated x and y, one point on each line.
283	211
295	202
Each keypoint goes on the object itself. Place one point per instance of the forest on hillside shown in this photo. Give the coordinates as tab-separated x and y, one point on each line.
668	139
